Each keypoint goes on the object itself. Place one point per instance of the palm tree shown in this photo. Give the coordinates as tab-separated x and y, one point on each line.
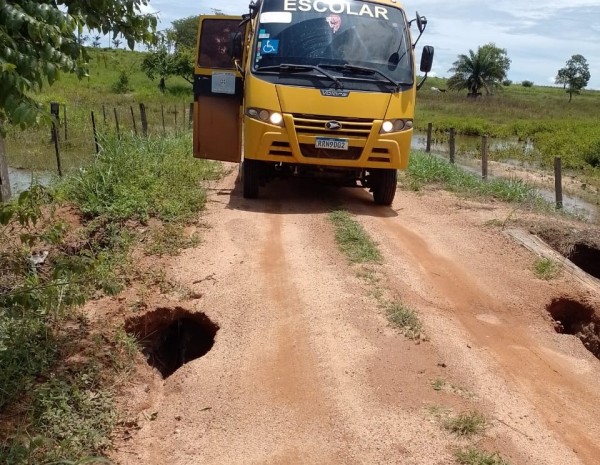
486	68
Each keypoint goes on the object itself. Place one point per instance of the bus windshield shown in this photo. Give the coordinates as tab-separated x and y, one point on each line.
335	32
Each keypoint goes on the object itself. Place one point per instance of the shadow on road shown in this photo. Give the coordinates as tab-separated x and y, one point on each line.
295	196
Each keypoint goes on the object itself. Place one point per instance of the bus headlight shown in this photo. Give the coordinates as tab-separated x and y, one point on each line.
396	125
273	117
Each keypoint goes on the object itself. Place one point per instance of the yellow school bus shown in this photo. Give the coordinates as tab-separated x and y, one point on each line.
322	88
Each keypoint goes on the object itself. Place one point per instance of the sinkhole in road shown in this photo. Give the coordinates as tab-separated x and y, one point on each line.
575	318
586	257
172	337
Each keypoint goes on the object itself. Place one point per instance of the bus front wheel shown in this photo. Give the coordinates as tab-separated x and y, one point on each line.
383	185
250	178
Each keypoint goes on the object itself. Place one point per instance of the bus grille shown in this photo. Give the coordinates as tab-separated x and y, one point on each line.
316	125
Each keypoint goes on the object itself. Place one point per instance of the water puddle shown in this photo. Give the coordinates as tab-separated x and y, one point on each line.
21	180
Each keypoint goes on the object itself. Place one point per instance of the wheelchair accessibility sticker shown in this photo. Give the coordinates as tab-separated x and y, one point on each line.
270	47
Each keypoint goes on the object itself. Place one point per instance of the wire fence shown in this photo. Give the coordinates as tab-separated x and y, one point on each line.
72	138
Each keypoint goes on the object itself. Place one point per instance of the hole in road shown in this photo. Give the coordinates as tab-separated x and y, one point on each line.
586	257
170	338
581	247
575	318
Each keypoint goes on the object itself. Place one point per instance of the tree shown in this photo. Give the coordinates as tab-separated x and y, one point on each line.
486	68
117	42
184	32
164	62
39	40
96	41
574	76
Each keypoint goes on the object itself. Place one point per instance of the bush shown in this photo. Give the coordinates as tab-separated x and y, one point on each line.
121	86
507	83
592	154
527	84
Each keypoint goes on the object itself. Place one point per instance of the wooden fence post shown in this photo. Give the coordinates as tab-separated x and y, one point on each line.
56	148
144	119
95	134
4	180
175	111
104	113
452	145
183	116
55	112
429	132
558	182
162	111
133	119
484	157
66	122
117	124
191	117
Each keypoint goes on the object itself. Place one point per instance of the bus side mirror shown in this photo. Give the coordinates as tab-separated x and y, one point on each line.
236	47
427	59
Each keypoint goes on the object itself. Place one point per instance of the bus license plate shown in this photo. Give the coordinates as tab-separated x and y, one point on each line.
331	144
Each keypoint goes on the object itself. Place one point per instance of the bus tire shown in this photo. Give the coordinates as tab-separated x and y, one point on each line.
384	186
250	178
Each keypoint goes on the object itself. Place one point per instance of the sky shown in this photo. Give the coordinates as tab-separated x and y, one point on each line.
539	36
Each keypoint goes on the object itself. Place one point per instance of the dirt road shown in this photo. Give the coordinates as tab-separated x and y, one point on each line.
305	367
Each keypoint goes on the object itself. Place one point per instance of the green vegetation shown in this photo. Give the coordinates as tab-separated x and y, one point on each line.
485	68
466	424
58	374
406	320
353	240
39	41
575	75
473	456
545	268
427	169
536	114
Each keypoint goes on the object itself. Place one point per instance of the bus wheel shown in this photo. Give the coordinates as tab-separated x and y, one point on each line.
250	178
384	183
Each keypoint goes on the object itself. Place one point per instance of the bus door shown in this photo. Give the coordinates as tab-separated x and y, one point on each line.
218	91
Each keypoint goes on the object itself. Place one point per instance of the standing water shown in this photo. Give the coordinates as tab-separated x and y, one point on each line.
21	180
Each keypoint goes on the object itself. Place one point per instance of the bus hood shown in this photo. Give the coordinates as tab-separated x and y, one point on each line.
333	102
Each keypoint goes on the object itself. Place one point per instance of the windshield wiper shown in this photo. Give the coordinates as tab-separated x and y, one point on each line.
291	68
364	70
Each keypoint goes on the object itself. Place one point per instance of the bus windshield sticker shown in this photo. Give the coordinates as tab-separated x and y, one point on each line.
262	34
270	47
337	7
276	17
335	22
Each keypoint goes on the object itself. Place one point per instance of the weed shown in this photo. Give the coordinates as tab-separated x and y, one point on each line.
472	456
438	384
546	269
466	424
353	240
428	169
169	239
406	320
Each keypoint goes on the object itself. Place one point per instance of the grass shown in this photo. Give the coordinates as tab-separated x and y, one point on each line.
58	374
406	320
546	269
428	169
466	424
473	456
353	240
438	384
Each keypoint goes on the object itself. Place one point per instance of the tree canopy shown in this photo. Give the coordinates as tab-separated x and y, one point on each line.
184	32
39	39
575	75
485	69
165	61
